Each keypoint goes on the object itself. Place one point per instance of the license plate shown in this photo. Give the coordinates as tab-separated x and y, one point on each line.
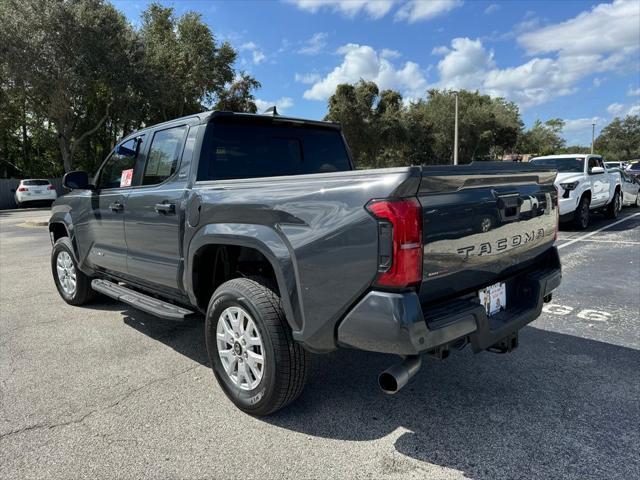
38	191
493	298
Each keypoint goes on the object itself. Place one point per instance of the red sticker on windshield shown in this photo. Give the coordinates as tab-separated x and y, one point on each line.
126	177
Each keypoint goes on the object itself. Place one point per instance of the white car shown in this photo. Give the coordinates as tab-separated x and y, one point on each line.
584	185
630	190
34	190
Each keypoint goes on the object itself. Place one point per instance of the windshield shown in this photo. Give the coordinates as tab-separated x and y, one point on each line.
561	164
635	166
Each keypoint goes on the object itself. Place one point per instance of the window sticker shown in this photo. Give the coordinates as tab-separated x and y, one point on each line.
126	177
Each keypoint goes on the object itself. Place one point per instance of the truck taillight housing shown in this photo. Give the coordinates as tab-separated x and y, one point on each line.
399	241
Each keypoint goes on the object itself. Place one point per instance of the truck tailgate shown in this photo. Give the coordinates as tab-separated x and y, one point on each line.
481	223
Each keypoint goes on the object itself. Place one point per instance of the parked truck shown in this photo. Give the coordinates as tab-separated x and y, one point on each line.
586	185
262	224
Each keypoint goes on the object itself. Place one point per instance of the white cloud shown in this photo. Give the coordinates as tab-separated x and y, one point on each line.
441	50
409	10
315	44
389	53
350	8
282	104
633	92
257	55
363	62
615	28
622	110
417	10
494	7
608	27
615	109
578	131
597	81
307	78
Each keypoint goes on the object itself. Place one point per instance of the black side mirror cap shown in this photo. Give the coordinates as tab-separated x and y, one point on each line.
77	180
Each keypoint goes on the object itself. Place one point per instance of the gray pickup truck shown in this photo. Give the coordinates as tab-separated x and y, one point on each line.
262	224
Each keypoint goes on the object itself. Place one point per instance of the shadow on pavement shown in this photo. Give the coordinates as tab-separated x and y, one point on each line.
559	406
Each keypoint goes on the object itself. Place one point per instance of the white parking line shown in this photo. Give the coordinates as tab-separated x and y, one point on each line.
597	231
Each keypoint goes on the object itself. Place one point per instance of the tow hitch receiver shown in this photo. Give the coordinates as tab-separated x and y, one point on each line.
506	345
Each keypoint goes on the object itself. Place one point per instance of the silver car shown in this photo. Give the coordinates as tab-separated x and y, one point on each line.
630	188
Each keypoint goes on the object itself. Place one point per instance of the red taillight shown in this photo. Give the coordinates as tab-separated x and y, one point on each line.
400	249
51	187
23	189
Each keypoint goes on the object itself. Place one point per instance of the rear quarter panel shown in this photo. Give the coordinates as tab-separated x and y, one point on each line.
316	230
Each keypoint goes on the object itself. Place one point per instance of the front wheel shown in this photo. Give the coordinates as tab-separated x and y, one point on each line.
253	355
613	209
73	286
581	220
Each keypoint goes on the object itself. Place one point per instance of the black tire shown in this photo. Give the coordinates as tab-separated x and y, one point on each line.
484	224
286	363
83	292
614	207
582	214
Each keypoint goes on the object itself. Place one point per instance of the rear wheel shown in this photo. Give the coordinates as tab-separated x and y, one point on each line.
614	207
73	286
582	213
252	352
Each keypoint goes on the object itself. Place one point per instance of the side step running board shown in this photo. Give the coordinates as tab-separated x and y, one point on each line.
140	301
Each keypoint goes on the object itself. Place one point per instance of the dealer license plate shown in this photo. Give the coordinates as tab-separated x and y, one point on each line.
493	298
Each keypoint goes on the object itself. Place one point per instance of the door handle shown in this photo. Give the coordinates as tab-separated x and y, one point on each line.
116	206
165	207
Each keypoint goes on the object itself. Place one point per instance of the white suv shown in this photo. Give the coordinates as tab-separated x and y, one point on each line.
584	185
35	190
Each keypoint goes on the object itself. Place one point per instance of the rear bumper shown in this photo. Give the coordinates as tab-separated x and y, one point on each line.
396	322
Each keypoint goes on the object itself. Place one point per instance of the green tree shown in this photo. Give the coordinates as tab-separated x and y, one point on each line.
620	140
67	60
543	138
185	69
238	97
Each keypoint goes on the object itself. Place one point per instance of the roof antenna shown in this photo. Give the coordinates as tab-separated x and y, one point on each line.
271	111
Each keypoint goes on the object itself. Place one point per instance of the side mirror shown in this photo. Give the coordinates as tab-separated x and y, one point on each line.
596	170
78	180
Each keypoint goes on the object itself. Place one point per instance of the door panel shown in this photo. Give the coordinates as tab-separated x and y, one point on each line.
154	217
106	225
108	203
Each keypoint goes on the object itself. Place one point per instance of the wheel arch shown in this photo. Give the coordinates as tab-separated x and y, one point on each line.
257	241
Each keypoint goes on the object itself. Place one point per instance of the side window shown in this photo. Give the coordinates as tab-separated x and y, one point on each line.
593	162
162	160
117	171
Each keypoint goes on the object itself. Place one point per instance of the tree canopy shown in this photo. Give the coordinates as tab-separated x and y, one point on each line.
384	131
75	76
620	140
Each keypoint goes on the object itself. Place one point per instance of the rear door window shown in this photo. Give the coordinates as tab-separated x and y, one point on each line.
164	153
247	150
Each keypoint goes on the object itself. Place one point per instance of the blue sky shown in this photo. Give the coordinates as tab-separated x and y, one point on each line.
569	59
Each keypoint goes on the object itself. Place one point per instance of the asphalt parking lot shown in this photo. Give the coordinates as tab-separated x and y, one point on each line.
110	392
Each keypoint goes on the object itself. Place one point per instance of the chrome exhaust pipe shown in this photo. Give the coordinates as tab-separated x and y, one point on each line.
396	377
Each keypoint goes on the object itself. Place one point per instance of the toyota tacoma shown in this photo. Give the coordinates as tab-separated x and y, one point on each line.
262	224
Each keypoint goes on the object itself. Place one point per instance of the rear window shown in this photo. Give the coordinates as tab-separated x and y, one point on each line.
246	150
35	183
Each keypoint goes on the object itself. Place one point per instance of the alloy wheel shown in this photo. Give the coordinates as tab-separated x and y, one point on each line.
240	348
66	273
